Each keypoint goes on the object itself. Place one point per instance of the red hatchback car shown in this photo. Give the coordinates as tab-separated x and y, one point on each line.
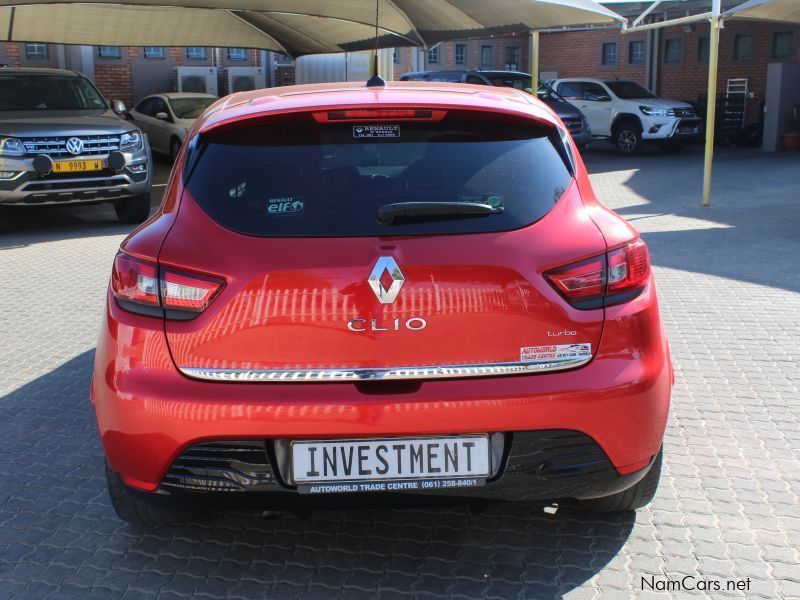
407	288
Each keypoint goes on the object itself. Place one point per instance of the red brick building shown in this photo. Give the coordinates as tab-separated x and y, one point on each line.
129	73
505	54
673	62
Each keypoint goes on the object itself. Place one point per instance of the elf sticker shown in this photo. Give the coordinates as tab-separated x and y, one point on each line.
555	352
286	205
376	131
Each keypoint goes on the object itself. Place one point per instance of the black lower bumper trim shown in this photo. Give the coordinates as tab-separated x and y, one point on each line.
536	465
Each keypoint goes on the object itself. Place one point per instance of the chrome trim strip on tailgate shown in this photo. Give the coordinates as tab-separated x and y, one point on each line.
383	374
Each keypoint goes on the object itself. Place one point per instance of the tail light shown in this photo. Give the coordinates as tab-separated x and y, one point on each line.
134	280
143	287
611	278
182	291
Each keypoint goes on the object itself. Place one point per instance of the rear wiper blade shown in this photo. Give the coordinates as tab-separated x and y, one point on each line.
404	210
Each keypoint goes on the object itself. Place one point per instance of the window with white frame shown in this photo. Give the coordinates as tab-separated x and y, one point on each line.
153	52
36	52
237	54
636	52
109	52
461	54
433	56
196	52
608	54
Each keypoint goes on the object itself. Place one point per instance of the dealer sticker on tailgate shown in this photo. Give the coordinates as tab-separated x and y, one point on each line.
376	131
392	464
555	352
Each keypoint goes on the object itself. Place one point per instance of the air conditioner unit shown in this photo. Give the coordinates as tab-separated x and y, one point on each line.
245	79
200	80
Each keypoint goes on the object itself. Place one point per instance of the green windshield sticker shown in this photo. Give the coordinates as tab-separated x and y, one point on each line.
493	200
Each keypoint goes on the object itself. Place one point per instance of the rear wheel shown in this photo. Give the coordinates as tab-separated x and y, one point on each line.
628	138
134	209
137	512
634	497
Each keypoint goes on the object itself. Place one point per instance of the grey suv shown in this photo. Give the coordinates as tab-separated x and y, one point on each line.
573	119
61	143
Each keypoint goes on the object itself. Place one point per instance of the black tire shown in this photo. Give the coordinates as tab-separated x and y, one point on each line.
628	138
132	510
634	497
134	209
174	148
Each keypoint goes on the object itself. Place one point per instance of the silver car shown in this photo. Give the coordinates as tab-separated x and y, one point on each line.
167	118
61	142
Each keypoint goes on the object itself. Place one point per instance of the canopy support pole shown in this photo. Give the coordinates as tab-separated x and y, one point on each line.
711	109
534	62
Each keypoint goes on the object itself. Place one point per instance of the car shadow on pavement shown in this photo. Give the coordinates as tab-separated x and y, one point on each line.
58	531
20	227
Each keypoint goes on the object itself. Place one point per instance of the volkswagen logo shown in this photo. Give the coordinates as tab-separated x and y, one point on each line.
74	145
386	271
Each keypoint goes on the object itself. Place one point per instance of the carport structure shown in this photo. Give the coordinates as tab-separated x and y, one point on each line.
291	27
778	11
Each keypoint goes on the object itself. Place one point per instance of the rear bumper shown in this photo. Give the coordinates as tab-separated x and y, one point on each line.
148	413
535	465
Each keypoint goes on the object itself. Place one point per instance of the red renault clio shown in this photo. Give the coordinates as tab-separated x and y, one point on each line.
389	289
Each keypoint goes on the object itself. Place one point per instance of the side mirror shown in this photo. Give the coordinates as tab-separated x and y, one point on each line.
162	116
118	106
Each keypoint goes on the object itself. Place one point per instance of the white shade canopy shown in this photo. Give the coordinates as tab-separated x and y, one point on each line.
292	27
779	11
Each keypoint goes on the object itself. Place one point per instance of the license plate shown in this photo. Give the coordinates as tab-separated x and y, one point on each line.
392	464
77	166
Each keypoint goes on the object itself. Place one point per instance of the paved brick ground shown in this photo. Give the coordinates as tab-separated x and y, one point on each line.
727	508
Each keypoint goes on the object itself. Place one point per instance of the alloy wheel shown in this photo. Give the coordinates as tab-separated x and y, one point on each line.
627	141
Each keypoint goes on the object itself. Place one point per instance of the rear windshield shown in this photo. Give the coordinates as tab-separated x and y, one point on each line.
304	178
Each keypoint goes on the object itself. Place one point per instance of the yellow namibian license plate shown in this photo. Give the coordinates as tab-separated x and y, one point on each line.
77	166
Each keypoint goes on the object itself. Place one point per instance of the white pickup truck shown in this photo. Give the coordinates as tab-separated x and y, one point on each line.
629	115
